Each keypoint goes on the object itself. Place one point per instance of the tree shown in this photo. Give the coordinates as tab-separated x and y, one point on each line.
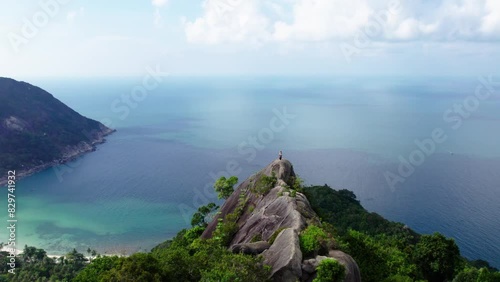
224	187
76	258
236	267
137	267
199	217
28	253
94	270
437	257
40	254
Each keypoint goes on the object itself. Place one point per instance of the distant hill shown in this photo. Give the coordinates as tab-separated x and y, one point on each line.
38	131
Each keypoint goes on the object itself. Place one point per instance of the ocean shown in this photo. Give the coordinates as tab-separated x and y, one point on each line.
423	151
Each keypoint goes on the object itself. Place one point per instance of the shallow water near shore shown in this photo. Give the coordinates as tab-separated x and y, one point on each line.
139	188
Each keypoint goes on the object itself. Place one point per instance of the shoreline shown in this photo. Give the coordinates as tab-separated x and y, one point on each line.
53	256
72	155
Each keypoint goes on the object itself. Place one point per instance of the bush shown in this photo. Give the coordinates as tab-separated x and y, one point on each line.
265	184
275	234
225	231
297	183
330	270
398	278
224	187
312	239
256	238
237	267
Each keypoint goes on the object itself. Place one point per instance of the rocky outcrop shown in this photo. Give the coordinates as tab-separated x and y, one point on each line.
351	267
285	256
250	248
277	215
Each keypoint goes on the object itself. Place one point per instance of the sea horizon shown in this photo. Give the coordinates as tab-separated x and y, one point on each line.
130	194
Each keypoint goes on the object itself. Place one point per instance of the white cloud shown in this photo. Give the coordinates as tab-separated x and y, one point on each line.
490	23
157	18
229	21
159	3
323	20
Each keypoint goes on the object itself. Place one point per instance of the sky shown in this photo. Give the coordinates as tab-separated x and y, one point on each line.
77	38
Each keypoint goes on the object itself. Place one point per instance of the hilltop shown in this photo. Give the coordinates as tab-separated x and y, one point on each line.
270	215
38	131
271	228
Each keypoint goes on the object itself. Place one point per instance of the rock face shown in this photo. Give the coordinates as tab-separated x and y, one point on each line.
250	248
285	256
351	267
276	213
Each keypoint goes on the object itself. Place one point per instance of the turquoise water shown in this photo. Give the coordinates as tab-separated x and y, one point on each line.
140	187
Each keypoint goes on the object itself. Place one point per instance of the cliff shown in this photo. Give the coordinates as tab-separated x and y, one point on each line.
38	131
270	220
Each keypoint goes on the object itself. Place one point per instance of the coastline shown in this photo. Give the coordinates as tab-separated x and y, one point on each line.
71	154
52	256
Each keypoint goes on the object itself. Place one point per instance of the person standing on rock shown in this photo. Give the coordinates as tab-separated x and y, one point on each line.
280	155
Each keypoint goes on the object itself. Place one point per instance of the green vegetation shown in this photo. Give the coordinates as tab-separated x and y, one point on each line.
199	217
275	234
477	275
385	251
389	251
39	126
256	238
97	268
35	265
344	212
225	187
330	270
296	183
377	257
437	257
188	259
265	184
228	226
313	241
182	260
225	230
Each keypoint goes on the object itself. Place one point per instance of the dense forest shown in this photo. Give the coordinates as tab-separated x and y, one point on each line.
384	251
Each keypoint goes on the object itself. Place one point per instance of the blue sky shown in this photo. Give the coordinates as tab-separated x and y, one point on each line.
76	38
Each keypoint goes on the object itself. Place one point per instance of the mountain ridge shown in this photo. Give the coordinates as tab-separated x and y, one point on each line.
38	131
270	215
